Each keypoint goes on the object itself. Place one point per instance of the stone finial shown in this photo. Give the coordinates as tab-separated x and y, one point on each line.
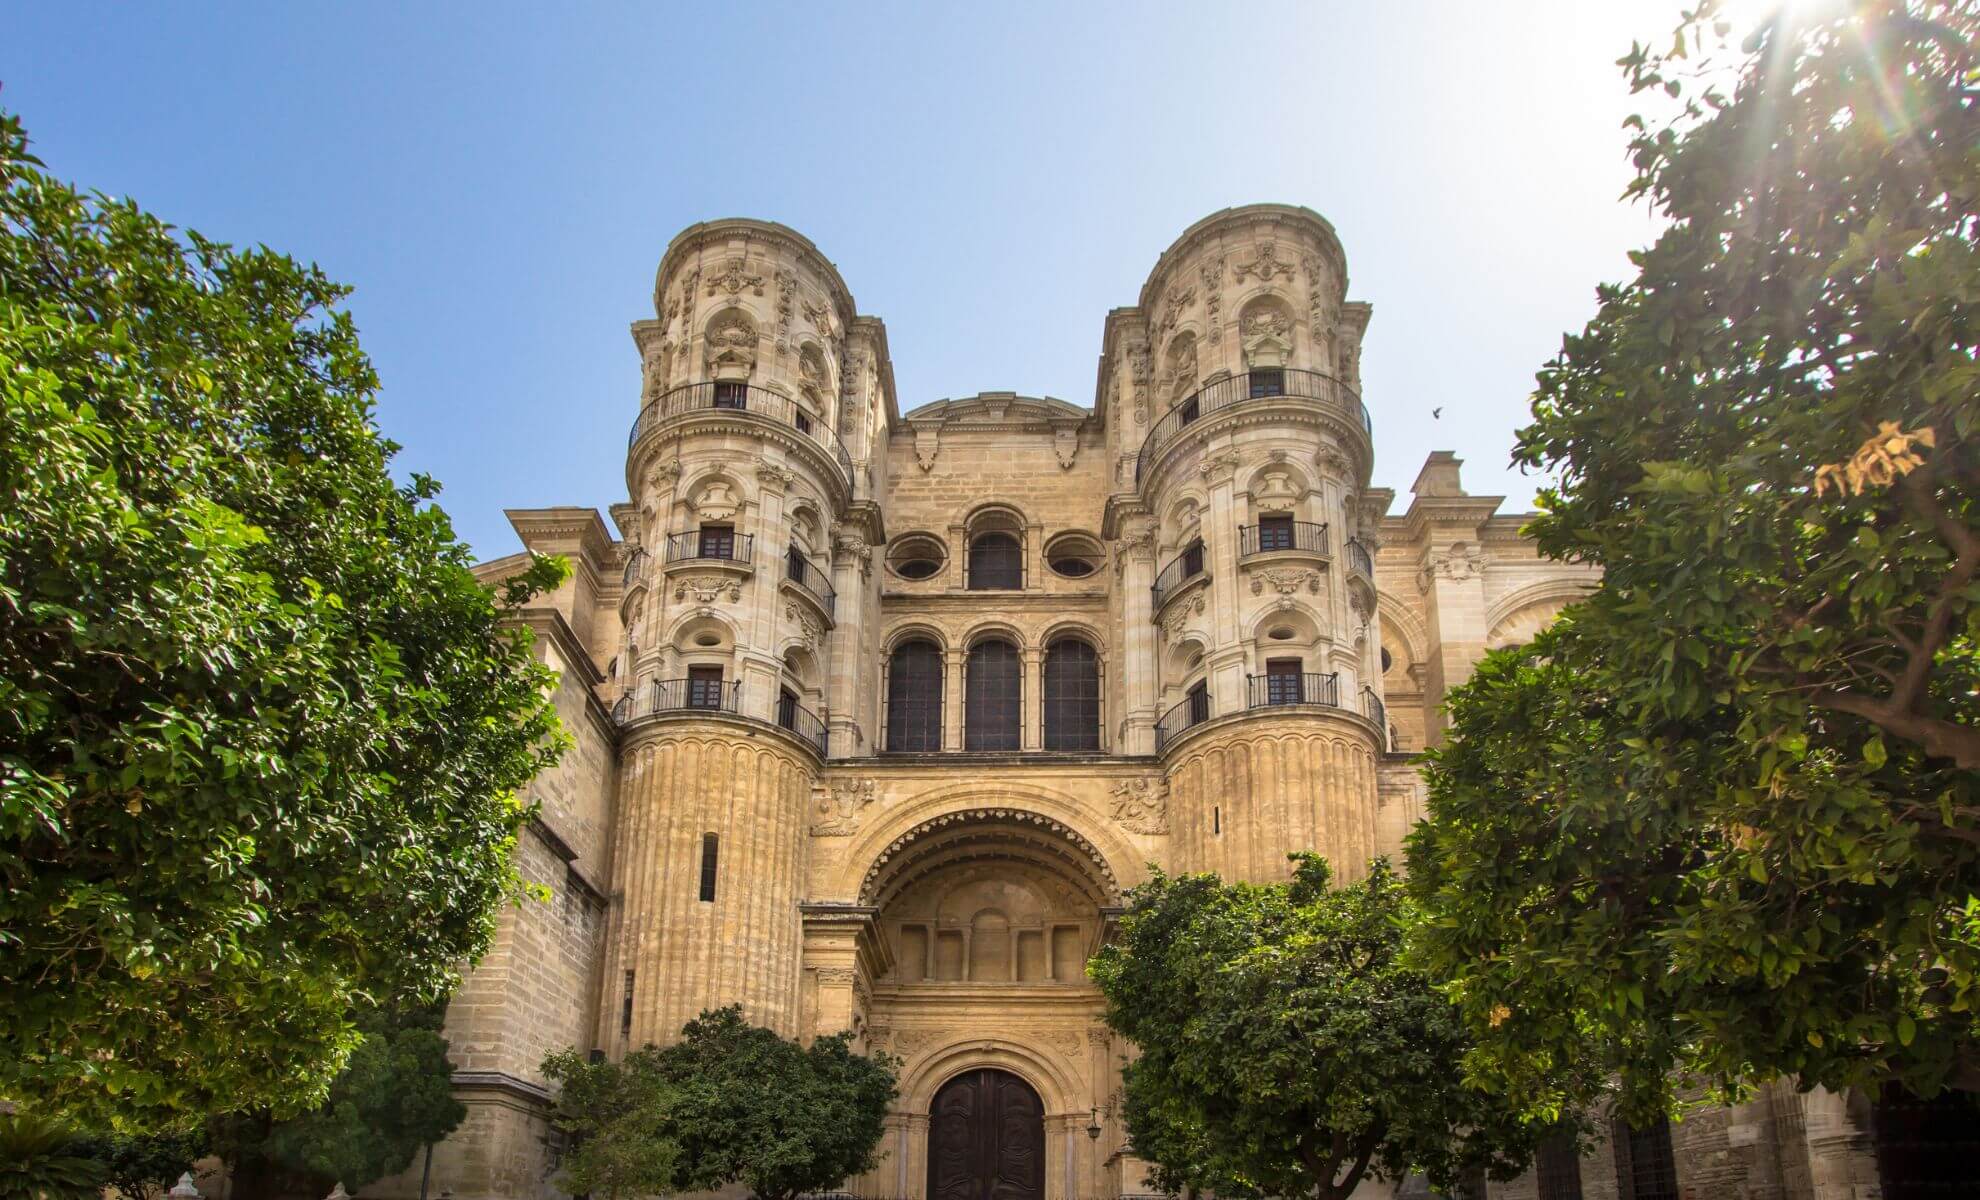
1439	476
185	1187
338	1192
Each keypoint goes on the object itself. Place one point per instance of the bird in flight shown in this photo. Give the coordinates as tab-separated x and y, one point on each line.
1436	414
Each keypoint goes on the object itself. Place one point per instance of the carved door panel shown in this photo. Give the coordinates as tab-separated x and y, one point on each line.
986	1139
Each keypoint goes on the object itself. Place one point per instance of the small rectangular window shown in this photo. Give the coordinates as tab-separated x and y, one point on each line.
1188	411
1275	533
731	395
787	704
1268	382
704	688
718	541
795	566
1283	680
708	848
1199	702
625	1011
1192	560
803	421
1216	820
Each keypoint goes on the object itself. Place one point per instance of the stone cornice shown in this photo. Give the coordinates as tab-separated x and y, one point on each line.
1268	410
554	528
1430	512
1015	414
654	440
1231	220
562	849
501	1081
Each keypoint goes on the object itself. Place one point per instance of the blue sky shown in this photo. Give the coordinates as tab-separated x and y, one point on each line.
498	182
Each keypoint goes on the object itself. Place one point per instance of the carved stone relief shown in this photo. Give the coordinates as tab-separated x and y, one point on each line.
786	285
1178	619
1142	806
731	344
1213	296
1463	561
839	807
1265	264
707	589
1286	581
734	278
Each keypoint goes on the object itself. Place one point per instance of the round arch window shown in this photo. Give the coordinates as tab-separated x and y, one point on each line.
1074	556
916	556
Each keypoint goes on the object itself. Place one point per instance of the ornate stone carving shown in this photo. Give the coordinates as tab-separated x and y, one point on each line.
786	285
1265	264
839	807
1213	296
810	632
1100	1036
1068	1042
707	589
1178	299
734	278
1463	561
1333	460
1178	618
835	976
1022	816
820	316
1286	581
772	475
731	345
1065	443
910	1041
664	472
853	546
1219	468
1142	806
926	444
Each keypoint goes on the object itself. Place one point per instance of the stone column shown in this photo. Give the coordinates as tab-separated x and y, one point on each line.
1031	718
852	565
1453	583
952	697
1139	671
1220	553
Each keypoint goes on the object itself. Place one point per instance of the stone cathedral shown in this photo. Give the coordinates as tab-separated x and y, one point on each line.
879	712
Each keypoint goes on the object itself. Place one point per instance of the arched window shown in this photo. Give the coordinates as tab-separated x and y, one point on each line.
1072	696
995	561
993	696
914	696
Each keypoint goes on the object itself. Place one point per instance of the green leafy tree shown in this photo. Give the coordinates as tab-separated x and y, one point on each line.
261	730
1287	1049
145	1166
618	1117
43	1159
393	1098
729	1103
1721	823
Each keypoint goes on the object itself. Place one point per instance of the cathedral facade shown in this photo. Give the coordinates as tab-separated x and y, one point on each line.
879	712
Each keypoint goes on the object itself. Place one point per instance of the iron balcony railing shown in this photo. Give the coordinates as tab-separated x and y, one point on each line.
635	568
1181	569
713	396
669	695
1285	535
1266	691
1191	710
1242	389
802	721
811	578
1373	708
692	545
1359	559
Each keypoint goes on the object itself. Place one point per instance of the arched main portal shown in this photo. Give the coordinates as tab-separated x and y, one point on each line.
986	1139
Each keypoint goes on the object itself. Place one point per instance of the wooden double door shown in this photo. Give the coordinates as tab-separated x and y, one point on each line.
986	1139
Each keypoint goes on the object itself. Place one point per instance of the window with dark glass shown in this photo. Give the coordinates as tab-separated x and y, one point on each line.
1645	1167
1198	696
1558	1165
709	844
1282	681
995	561
731	395
1271	381
1188	411
626	1011
787	706
717	541
803	419
914	697
796	567
1072	696
992	697
1192	559
1275	533
704	689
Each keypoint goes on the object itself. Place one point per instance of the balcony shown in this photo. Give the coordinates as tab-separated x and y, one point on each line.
802	721
771	406
637	564
682	695
1190	711
1360	561
697	546
1271	691
810	581
1182	569
1373	708
1272	537
1249	388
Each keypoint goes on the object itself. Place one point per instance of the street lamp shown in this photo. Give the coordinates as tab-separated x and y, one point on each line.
1093	1129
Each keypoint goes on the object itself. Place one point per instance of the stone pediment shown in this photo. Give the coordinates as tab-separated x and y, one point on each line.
999	411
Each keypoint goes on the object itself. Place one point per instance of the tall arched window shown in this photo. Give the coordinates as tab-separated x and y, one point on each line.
914	696
995	561
1072	696
993	696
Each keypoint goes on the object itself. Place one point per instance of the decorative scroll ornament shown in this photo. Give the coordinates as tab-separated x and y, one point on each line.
734	278
707	589
840	806
1178	299
1068	1042
1265	264
1178	620
1285	582
820	316
1213	296
808	631
854	547
1460	563
786	285
1142	806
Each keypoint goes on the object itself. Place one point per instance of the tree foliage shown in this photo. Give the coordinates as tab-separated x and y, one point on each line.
1287	1049
145	1166
393	1098
729	1103
1721	820
42	1158
261	734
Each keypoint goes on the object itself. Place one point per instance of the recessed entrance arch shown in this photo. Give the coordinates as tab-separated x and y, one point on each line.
986	1139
